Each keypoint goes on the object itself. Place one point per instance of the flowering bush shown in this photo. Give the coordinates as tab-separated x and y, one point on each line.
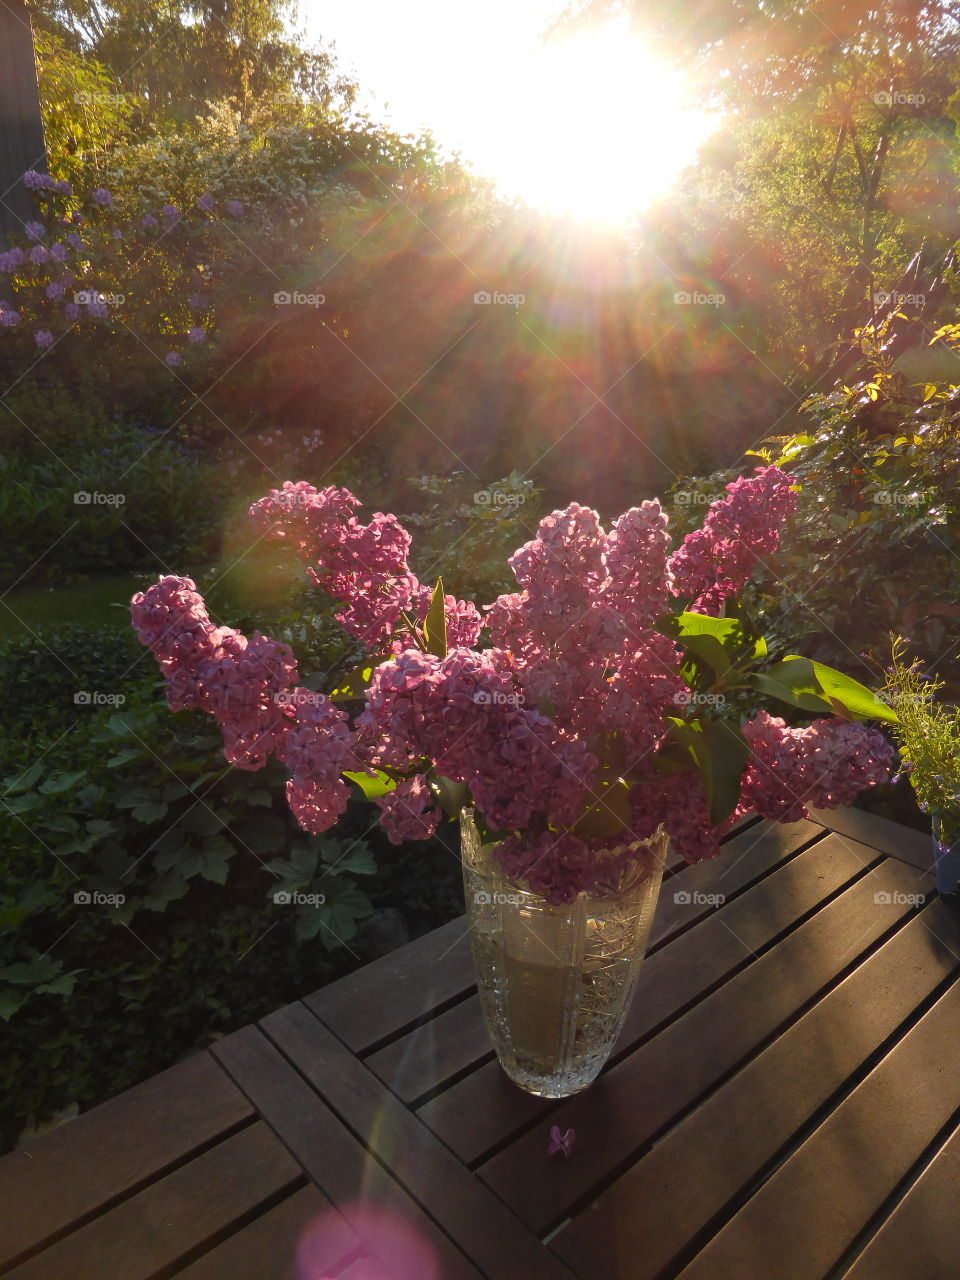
594	715
86	261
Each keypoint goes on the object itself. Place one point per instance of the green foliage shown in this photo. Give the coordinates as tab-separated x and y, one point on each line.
41	676
927	733
178	861
464	531
873	546
123	498
85	111
172	57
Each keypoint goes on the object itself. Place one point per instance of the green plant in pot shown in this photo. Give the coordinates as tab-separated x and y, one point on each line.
927	732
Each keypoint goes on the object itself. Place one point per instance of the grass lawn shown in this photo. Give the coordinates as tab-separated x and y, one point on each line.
102	602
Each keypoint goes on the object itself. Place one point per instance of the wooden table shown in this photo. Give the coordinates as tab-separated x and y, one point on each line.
783	1104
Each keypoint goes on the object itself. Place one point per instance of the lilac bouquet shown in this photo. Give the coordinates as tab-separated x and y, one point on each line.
613	692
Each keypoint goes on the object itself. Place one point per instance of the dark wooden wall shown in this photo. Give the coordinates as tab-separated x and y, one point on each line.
21	125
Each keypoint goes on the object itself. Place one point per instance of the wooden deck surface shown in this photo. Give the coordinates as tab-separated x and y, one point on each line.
783	1104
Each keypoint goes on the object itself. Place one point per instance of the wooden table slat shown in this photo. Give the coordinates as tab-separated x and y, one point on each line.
171	1115
472	1216
335	1160
919	1238
829	1189
420	977
203	1198
484	1110
747	857
891	838
266	1249
645	1219
709	1041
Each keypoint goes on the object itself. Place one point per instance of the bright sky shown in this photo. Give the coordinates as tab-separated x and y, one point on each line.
592	126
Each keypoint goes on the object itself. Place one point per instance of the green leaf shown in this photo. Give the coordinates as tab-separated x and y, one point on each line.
727	751
435	623
23	781
715	641
378	785
607	810
860	702
151	811
719	751
30	972
452	795
815	687
356	682
10	1002
359	861
60	782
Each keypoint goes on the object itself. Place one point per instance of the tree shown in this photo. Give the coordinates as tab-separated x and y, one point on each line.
171	57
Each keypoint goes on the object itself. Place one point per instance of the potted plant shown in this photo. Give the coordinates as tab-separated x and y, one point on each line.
928	734
614	704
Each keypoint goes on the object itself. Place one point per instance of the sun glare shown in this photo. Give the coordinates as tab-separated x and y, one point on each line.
593	125
597	131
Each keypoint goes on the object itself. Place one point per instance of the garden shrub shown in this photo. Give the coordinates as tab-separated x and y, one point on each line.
130	801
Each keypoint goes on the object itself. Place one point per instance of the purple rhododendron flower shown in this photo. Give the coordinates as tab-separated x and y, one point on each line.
103	198
149	222
35	181
9	318
39	254
74	241
34	230
172	358
55	290
72	312
59	252
196	334
43	338
235	208
63	188
207	203
171	212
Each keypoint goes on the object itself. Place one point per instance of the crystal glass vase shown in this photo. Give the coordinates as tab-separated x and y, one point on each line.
555	981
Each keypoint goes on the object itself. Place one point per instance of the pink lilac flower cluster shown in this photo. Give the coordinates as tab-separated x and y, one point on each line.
823	765
717	560
575	663
364	566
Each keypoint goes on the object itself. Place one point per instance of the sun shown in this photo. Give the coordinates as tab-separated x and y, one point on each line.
596	128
